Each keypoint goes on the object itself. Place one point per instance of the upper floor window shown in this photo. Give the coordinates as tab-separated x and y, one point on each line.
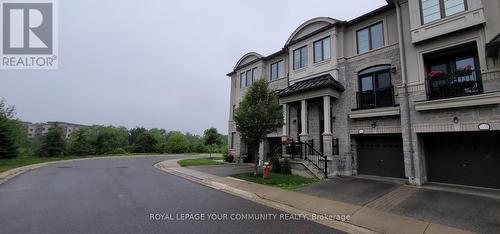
255	74
249	78
243	80
300	57
375	87
322	49
277	70
246	78
370	38
432	10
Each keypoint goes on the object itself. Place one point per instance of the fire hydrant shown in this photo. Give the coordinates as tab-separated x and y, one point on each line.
265	175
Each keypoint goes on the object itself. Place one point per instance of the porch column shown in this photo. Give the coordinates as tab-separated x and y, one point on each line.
285	135
285	120
303	114
327	115
327	134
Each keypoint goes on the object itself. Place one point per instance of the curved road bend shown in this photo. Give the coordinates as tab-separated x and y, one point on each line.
118	195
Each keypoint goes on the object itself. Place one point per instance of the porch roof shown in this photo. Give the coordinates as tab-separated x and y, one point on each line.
320	82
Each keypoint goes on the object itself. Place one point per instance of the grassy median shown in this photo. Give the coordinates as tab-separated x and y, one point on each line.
200	161
283	181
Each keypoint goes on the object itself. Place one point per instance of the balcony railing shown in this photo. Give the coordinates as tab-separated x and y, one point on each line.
381	97
460	83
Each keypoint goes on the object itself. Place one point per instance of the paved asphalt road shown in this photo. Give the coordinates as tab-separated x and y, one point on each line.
118	195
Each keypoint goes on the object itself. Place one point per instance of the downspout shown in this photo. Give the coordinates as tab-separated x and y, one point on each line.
405	84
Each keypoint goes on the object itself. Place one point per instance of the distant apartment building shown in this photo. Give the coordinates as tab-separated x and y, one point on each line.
410	90
36	130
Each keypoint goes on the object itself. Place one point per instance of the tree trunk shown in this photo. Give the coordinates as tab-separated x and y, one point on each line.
255	159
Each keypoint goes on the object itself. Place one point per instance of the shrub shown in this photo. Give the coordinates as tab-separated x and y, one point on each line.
285	167
275	163
228	157
118	151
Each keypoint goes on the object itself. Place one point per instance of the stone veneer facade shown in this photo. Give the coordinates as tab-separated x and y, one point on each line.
406	43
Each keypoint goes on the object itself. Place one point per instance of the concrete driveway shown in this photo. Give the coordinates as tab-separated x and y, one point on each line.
460	209
118	195
474	213
350	189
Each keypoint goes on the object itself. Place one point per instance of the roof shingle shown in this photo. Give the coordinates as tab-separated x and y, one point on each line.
324	81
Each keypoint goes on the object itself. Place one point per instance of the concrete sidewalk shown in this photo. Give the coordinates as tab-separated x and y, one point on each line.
361	219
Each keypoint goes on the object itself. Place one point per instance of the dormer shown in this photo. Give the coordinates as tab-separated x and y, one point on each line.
312	48
248	69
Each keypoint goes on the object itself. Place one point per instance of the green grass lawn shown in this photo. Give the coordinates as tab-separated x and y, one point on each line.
199	161
278	180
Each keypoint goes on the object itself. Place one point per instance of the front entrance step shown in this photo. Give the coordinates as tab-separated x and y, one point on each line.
305	168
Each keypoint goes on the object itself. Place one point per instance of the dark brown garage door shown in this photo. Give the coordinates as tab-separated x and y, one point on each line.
381	156
464	158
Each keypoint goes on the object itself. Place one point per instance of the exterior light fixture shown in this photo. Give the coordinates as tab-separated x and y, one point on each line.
374	124
455	119
394	70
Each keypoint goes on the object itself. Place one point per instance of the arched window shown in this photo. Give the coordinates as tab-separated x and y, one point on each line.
375	87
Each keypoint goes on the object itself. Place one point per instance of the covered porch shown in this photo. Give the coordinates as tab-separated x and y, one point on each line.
308	118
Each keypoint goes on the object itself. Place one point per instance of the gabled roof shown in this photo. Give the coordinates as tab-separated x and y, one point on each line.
320	82
307	30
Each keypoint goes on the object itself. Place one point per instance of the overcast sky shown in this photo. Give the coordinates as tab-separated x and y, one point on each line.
157	63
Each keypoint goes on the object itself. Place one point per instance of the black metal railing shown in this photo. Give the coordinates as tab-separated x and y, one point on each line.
306	151
460	83
381	97
316	158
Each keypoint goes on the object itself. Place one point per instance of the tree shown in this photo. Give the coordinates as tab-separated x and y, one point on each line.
211	138
145	143
134	134
177	143
108	139
53	142
81	143
258	115
196	143
160	136
8	146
